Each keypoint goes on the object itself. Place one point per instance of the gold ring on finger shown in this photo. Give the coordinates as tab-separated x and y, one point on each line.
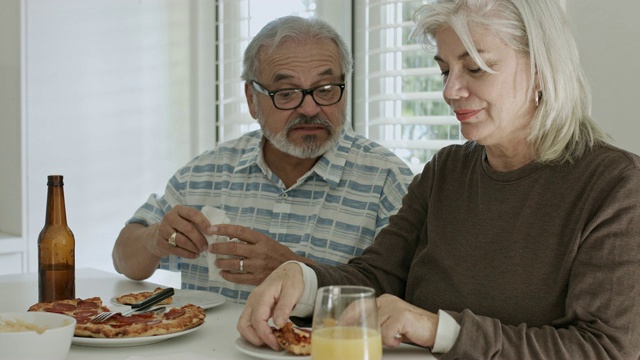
172	239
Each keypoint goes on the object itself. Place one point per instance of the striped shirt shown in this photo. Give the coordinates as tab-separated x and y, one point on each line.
329	215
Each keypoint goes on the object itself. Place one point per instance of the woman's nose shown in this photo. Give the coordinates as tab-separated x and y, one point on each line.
454	87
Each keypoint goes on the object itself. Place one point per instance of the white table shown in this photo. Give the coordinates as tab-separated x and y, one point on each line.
215	339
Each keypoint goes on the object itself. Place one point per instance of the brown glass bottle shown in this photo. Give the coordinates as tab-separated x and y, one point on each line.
56	248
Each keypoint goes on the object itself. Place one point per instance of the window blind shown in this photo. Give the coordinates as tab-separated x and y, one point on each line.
398	87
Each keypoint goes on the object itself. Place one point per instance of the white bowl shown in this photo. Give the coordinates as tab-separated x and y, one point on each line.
52	344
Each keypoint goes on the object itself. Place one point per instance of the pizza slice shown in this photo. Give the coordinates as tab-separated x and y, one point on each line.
294	339
132	298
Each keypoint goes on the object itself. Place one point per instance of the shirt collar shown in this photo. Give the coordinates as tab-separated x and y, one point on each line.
331	165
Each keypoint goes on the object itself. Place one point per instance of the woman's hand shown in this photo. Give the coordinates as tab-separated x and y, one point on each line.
403	322
275	297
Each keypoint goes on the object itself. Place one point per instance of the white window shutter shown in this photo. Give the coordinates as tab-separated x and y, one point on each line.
398	87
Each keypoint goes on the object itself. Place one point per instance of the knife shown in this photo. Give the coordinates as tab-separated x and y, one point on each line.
154	299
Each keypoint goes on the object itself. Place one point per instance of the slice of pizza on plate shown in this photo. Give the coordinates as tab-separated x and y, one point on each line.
294	339
132	298
137	325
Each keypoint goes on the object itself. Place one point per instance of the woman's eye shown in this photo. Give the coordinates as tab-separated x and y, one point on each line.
444	73
475	70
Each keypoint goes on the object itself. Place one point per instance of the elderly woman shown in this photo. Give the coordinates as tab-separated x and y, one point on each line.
522	243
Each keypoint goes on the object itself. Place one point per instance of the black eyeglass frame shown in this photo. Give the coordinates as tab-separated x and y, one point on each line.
272	93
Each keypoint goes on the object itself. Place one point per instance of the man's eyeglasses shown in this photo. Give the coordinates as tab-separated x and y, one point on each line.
287	99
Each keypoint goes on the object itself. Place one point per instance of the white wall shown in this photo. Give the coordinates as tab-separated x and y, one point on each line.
107	105
10	107
608	35
12	211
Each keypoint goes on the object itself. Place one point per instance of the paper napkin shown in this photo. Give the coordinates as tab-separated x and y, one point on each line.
216	216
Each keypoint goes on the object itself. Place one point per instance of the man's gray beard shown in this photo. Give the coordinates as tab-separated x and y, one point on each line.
310	149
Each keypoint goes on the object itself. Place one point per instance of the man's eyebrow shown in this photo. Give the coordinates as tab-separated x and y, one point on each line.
280	77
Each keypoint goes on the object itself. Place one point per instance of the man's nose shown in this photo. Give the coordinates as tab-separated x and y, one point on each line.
308	107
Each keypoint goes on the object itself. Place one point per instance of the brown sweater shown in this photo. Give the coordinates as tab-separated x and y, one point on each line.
540	262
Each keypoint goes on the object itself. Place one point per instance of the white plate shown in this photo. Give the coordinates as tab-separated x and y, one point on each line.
265	352
122	342
204	299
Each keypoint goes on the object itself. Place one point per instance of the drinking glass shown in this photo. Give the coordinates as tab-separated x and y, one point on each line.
345	324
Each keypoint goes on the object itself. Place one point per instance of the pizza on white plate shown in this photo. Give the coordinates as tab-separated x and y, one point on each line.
118	326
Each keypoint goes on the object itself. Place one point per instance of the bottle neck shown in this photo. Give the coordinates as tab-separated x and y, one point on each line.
56	212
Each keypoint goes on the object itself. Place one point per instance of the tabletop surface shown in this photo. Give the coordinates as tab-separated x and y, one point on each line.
215	339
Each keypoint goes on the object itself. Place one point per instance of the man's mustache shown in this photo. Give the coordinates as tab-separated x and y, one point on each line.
306	120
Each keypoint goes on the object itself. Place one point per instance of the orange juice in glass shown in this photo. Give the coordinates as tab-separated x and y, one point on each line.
345	324
346	342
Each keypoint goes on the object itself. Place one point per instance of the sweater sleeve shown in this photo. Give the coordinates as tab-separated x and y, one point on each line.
385	265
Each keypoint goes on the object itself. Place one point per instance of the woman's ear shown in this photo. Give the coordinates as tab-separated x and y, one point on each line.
537	86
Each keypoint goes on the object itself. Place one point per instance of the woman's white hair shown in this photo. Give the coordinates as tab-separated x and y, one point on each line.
562	129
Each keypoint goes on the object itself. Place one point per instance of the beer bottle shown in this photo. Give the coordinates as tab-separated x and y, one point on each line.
56	248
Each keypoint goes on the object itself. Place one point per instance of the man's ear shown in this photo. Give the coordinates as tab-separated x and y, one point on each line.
248	93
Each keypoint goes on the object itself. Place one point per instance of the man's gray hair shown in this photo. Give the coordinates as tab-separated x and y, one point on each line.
296	28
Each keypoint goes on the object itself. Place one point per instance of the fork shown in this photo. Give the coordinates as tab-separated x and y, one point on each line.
102	317
141	306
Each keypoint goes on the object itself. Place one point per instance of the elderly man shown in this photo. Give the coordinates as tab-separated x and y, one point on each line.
304	187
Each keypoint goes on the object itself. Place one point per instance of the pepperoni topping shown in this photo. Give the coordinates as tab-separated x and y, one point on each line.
133	319
86	305
85	313
53	310
174	313
64	306
145	315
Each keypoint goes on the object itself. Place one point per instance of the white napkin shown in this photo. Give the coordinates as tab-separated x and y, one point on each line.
216	216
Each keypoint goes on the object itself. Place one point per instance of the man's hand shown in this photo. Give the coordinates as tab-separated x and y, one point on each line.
138	248
276	297
260	254
189	225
